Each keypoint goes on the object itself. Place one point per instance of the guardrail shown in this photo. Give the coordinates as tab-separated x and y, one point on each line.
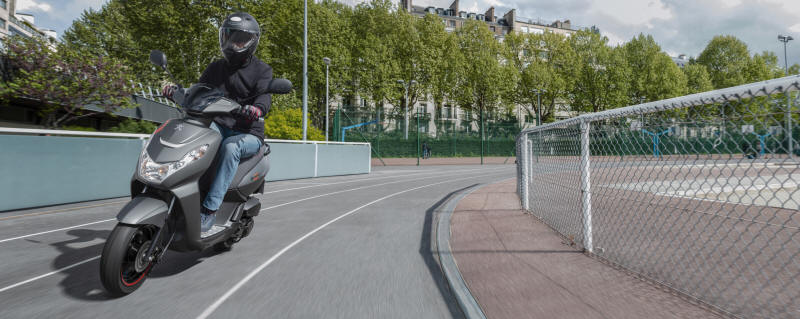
48	167
698	193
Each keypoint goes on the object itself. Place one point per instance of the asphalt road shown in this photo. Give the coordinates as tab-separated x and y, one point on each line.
338	247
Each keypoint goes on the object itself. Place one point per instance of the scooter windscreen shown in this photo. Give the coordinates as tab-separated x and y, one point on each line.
200	96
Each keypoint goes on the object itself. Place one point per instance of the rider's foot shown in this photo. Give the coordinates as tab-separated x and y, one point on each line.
207	219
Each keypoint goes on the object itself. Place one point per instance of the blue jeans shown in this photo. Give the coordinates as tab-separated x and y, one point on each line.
235	146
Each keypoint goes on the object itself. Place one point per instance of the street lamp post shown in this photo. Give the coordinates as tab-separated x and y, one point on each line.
405	106
785	39
539	105
327	65
305	70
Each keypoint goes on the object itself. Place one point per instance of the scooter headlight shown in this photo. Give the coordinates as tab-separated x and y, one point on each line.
156	172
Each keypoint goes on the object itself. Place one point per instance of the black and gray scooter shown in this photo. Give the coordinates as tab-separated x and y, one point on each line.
170	182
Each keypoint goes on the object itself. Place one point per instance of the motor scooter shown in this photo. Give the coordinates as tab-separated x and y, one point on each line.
171	180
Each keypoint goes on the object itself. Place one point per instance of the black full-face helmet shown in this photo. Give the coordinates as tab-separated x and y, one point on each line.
238	37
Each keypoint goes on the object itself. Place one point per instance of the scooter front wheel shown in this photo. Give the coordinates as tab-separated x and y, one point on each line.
124	264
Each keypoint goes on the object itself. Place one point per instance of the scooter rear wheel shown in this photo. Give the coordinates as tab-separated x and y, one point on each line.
124	265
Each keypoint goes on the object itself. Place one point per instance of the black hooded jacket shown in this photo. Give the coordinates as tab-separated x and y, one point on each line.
242	84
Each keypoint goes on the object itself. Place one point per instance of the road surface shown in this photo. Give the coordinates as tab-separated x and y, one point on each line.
338	247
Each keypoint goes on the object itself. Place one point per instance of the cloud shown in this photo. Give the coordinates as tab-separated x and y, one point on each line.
33	5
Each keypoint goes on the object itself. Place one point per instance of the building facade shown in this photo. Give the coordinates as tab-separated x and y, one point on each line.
454	17
21	24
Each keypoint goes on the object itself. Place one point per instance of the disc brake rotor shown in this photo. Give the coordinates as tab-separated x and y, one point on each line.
141	257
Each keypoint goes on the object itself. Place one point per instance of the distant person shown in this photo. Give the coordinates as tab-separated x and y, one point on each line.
424	150
747	150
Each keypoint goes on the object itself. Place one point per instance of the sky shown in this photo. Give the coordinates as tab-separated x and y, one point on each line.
679	26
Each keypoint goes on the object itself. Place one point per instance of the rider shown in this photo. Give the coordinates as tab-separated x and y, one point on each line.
241	76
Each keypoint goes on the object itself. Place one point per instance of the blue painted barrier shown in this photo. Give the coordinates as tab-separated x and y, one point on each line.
50	170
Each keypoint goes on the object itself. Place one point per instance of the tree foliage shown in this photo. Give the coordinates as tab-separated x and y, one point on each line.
64	80
602	81
653	74
373	45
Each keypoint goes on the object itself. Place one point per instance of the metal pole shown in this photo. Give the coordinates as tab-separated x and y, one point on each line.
405	108
524	170
539	107
785	39
418	114
326	102
481	135
586	187
305	70
788	106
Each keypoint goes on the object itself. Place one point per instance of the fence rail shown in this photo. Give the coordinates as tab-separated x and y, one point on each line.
698	193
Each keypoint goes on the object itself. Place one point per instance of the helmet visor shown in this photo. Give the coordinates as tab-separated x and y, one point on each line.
236	40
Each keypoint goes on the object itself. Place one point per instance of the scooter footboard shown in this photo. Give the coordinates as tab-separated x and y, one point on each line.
143	210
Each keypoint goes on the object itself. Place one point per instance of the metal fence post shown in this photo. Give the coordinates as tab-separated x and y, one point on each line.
525	171
586	186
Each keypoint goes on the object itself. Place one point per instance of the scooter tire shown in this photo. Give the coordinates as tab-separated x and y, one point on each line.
115	260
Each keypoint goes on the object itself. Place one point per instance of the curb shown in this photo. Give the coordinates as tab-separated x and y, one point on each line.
466	301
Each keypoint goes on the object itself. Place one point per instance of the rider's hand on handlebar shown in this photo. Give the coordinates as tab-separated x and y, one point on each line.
250	112
168	90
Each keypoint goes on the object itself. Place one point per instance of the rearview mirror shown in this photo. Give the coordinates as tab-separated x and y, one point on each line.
158	58
279	86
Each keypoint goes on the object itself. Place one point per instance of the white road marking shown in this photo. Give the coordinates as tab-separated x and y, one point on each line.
284	204
48	274
55	230
357	188
107	220
61	210
356	180
208	311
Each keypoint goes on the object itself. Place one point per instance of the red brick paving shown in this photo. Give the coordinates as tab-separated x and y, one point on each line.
517	267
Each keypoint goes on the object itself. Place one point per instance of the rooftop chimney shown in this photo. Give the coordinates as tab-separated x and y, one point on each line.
406	4
511	18
490	15
454	6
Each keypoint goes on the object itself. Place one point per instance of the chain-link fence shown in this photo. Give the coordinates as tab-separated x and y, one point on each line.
431	133
698	193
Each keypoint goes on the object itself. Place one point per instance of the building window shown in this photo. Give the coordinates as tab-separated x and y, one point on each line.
14	31
2	23
493	29
536	30
3	4
452	23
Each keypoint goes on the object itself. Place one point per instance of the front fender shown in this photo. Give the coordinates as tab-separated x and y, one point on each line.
143	210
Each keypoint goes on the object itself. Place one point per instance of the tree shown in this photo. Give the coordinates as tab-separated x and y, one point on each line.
653	74
105	32
328	36
602	81
285	121
726	59
442	59
794	69
374	69
484	78
697	78
64	80
134	126
545	62
763	67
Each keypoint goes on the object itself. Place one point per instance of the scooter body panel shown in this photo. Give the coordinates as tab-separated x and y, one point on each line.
143	210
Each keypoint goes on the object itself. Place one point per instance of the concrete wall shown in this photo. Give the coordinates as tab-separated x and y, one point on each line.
50	170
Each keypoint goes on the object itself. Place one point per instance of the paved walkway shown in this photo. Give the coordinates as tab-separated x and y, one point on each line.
517	267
